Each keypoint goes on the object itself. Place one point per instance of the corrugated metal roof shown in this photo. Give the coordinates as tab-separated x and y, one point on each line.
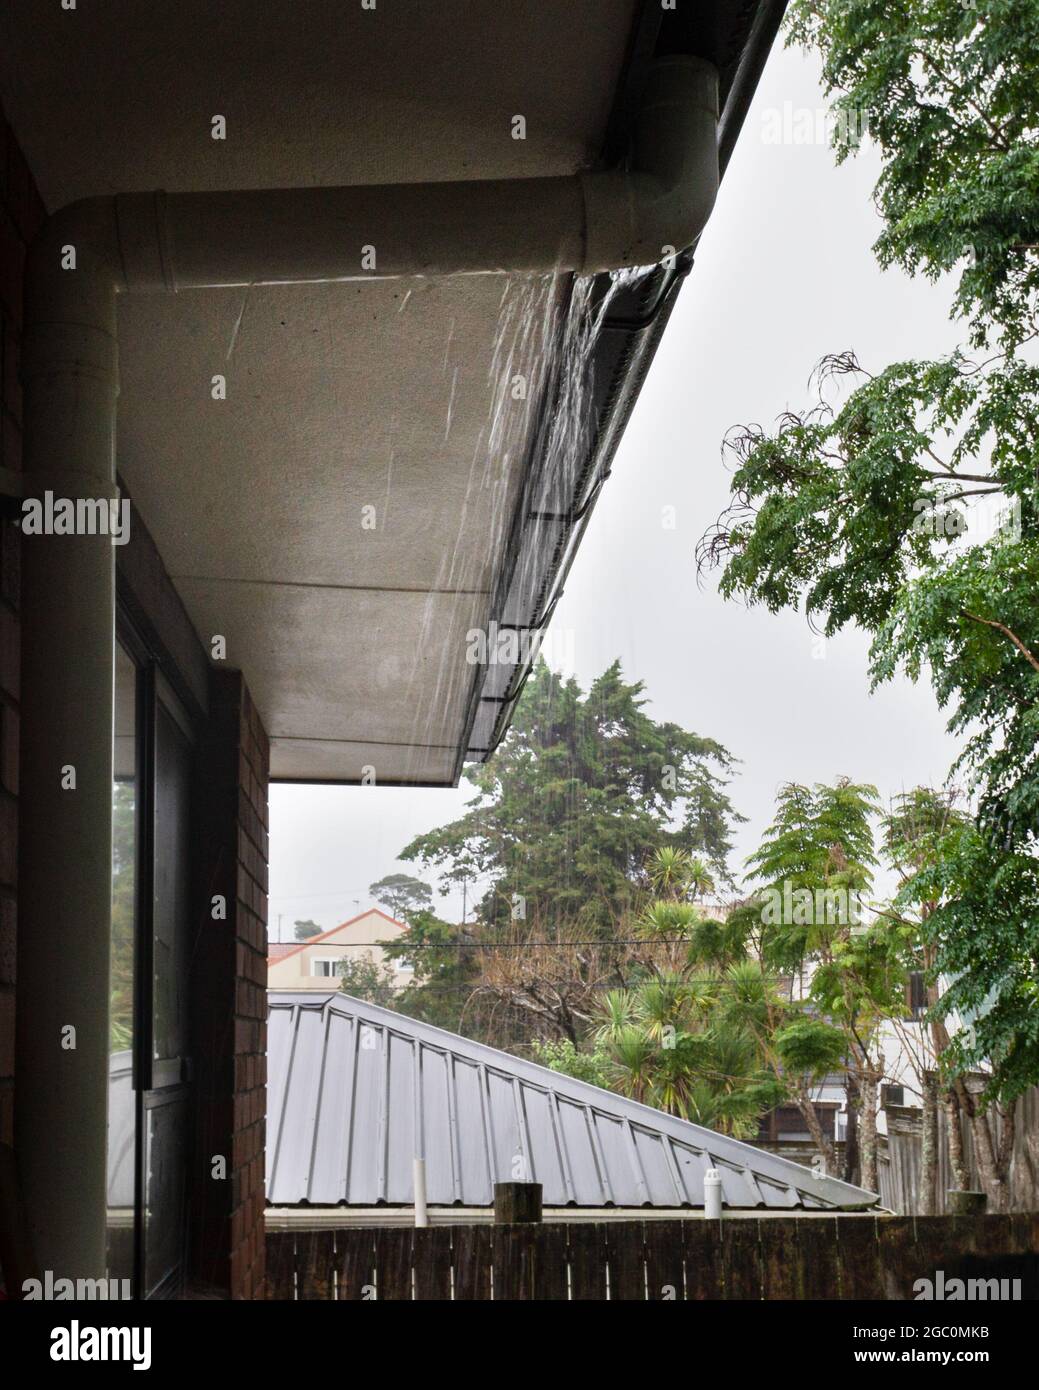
355	1093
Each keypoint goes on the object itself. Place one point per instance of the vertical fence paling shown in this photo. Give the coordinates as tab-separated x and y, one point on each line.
900	1162
838	1257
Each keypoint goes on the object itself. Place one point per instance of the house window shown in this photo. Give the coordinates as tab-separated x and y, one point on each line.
786	1124
916	995
326	967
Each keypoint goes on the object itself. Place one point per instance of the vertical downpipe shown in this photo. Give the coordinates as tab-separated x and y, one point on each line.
68	598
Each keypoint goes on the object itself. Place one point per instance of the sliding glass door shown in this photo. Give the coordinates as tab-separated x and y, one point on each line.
150	1069
122	1101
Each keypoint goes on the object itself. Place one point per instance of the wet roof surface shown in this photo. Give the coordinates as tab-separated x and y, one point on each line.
356	1092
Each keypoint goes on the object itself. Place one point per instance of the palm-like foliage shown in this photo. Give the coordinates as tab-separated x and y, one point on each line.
632	1061
616	1015
670	1045
677	874
667	920
700	878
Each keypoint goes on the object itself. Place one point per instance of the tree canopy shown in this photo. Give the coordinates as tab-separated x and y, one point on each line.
947	92
568	812
905	500
402	894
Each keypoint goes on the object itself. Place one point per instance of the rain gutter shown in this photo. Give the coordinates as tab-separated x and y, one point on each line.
627	341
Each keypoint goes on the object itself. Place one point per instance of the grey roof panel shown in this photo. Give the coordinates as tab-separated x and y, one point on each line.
356	1092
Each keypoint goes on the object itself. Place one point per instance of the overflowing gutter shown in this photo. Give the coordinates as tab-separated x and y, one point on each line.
626	340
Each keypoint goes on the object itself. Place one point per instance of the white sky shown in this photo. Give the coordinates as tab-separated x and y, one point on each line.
784	274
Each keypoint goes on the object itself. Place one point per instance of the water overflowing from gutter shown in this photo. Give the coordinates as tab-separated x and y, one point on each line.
530	473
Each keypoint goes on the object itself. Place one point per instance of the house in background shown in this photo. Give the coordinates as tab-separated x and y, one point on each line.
314	964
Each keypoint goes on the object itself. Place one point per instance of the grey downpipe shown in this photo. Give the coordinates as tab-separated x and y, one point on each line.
587	222
136	242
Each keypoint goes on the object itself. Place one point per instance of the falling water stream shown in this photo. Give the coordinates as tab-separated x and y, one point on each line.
529	454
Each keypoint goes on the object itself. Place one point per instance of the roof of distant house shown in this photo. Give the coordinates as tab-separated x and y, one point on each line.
289	948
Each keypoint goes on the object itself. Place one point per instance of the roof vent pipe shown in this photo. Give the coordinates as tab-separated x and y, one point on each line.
712	1194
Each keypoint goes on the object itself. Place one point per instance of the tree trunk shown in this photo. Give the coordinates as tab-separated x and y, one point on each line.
851	1137
954	1133
1005	1151
992	1183
868	1141
993	1159
926	1202
815	1129
988	1169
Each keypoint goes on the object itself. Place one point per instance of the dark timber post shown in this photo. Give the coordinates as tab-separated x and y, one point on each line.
517	1203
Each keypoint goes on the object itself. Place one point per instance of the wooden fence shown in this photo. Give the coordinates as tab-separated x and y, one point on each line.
806	1257
900	1159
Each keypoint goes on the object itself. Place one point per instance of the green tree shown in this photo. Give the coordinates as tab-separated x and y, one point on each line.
947	92
666	1043
913	831
306	930
561	1055
402	895
671	1038
847	964
955	898
442	960
569	811
797	1048
364	978
881	509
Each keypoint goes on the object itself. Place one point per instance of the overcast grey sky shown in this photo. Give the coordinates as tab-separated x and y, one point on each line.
783	275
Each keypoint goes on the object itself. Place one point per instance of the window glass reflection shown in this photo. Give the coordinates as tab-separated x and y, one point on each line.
121	1107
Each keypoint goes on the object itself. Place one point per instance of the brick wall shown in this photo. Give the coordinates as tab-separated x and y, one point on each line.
21	215
250	1064
230	996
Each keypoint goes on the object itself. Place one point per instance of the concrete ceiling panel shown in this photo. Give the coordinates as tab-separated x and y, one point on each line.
353	665
120	96
353	446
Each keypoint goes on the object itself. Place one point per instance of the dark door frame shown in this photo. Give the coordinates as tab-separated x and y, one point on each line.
150	688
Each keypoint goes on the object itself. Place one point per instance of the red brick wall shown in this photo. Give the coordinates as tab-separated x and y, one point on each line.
231	965
21	215
250	1062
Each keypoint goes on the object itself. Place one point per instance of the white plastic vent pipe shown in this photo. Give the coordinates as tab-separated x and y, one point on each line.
86	255
712	1195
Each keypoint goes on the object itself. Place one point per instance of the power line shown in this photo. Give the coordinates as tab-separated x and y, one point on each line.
409	946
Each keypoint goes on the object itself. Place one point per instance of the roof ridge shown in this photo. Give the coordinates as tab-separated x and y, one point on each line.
313	940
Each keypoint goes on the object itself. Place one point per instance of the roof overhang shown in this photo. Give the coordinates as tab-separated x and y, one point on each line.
357	498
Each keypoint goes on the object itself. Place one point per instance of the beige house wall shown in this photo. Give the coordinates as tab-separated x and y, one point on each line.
296	971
